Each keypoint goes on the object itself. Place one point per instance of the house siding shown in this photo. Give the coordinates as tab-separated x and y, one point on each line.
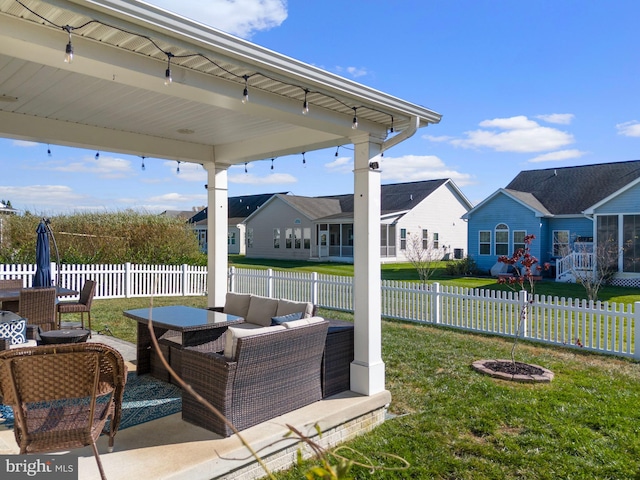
501	209
627	202
441	212
577	227
276	214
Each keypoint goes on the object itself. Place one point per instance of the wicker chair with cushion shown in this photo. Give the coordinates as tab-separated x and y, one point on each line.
264	375
63	395
10	284
38	306
82	306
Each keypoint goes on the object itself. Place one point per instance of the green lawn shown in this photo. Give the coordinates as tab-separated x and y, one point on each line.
454	423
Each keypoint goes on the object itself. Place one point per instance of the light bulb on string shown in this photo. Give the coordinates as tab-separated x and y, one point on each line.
337	148
354	125
272	163
245	92
142	166
391	123
245	167
304	160
48	150
178	167
97	155
68	53
167	74
305	105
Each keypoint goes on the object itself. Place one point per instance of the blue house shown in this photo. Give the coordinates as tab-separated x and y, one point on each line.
569	210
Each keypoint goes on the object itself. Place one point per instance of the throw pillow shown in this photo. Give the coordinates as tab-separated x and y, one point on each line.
14	330
286	318
261	309
287	306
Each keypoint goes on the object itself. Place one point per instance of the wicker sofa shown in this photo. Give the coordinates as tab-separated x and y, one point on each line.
259	311
262	373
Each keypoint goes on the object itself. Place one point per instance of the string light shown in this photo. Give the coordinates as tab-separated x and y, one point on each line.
304	160
68	53
167	73
178	167
272	163
168	77
245	93
337	148
48	150
245	167
142	166
97	155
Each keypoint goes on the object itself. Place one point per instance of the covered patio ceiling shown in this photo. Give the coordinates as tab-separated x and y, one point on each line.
112	96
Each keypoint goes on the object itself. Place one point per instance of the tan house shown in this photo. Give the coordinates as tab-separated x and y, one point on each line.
321	228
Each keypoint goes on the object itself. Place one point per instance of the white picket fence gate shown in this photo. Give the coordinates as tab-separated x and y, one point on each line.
602	327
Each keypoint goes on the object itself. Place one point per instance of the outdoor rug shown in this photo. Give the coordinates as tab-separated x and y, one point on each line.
145	398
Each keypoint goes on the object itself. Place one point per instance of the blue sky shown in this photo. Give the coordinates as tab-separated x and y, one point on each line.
520	85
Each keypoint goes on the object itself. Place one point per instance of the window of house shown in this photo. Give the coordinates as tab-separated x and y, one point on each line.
631	237
249	237
288	237
297	237
502	239
560	243
518	240
276	238
425	239
306	235
403	239
436	240
231	238
485	242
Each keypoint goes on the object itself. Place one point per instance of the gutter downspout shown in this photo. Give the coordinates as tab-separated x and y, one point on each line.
408	132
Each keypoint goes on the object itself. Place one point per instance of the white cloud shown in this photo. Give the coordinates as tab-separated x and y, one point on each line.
629	129
558	155
189	172
560	118
24	143
104	167
272	179
34	197
340	165
354	72
413	168
174	198
238	17
441	138
519	134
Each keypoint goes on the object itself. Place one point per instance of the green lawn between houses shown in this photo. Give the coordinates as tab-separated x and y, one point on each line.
454	423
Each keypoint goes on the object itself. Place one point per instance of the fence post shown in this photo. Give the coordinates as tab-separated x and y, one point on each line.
523	314
185	282
436	312
314	288
270	283
127	280
636	330
232	279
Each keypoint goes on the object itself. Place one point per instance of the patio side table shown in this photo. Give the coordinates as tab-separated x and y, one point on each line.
53	337
338	355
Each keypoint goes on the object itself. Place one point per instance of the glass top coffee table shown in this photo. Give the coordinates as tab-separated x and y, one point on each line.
195	325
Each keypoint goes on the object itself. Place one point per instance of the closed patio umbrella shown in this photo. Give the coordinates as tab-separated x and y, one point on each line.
42	278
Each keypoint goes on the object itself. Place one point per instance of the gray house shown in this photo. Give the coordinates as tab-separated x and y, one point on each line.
321	228
571	211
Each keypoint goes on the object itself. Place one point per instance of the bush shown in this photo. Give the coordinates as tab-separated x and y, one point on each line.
462	268
105	238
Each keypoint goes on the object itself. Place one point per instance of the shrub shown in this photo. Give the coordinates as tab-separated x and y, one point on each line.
462	268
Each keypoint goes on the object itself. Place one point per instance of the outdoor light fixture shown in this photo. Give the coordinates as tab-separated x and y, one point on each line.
48	150
272	163
305	105
391	124
337	148
97	155
374	165
142	166
167	73
68	54
178	167
245	92
355	118
304	160
245	167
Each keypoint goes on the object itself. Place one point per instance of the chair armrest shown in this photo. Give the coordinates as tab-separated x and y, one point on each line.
4	343
33	332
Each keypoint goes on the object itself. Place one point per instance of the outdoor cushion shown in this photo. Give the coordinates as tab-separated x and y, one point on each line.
14	330
261	309
302	322
233	333
286	307
237	304
286	318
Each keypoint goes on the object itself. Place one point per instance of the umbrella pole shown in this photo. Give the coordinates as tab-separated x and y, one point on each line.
47	223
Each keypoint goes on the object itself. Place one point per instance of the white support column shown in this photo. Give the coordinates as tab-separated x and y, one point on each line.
217	221
367	369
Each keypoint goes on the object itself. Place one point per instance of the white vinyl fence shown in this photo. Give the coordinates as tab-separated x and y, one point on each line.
601	327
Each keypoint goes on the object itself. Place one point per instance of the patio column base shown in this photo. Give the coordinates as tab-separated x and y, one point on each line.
367	379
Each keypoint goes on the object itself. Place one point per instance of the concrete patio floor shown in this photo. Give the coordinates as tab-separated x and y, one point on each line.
169	448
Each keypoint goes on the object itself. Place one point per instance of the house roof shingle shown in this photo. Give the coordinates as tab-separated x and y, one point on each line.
572	190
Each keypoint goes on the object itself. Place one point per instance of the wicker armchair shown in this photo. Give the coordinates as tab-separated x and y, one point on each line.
271	374
10	284
38	306
82	306
63	395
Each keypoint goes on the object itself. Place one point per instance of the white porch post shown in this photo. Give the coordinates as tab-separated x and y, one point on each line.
217	220
367	369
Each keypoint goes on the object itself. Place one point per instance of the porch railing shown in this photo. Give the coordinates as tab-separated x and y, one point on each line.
575	264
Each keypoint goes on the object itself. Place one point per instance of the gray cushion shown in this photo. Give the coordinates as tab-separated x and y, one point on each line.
286	307
261	309
233	333
237	304
286	318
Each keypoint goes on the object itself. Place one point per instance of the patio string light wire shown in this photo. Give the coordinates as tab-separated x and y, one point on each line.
168	78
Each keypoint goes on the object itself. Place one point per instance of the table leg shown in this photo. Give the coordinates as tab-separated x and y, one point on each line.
143	350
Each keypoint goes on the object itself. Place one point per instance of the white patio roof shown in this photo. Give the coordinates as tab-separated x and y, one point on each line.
112	96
